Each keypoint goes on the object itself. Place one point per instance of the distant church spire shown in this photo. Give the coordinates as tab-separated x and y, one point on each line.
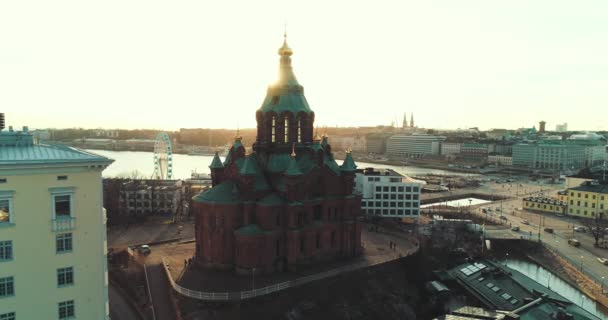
404	123
412	120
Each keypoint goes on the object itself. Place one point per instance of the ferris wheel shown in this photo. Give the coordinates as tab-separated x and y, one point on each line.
163	157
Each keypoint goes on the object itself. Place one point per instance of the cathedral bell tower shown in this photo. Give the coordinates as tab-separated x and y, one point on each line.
285	116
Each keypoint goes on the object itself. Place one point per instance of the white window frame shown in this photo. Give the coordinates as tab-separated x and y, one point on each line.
64	272
63	239
66	304
10	280
8	196
10	245
57	192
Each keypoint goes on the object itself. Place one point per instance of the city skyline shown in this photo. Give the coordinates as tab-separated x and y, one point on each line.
166	67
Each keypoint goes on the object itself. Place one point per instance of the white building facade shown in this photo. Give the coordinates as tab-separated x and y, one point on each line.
450	148
388	194
501	160
52	231
413	146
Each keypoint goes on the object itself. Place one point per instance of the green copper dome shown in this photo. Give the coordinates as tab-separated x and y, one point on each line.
293	169
216	163
286	94
249	167
348	164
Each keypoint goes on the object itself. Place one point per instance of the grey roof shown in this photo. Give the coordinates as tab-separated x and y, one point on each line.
44	153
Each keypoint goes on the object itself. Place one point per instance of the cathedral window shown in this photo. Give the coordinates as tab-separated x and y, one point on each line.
286	129
318	241
302	245
299	130
274	129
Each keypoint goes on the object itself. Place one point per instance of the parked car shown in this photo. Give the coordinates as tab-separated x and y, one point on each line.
525	222
144	249
503	218
515	228
580	229
548	230
574	242
560	215
603	261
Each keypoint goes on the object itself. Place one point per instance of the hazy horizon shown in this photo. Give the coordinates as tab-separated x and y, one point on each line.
161	65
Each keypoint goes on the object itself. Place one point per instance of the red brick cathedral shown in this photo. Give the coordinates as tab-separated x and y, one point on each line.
286	204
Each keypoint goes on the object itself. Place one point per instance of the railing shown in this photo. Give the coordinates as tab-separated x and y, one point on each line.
242	295
62	224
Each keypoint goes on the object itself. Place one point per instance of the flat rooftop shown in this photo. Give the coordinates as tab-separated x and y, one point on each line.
379	172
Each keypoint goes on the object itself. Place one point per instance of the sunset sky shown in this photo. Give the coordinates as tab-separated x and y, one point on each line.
187	64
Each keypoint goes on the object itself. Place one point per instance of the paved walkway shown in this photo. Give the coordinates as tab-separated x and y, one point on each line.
208	284
159	289
120	309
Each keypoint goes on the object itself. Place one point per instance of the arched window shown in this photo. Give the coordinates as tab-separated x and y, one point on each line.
286	129
274	129
299	130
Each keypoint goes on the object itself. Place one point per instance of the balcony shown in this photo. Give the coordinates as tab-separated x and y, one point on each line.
63	224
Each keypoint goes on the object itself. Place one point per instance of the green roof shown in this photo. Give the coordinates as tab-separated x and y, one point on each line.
271	199
285	100
317	146
293	169
332	165
305	163
249	167
48	154
278	162
286	95
250	230
349	163
260	180
223	193
216	163
237	144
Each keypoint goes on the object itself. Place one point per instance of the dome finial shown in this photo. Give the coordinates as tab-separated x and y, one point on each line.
238	136
285	50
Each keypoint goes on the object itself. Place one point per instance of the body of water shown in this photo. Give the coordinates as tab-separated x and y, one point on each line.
553	282
127	162
465	202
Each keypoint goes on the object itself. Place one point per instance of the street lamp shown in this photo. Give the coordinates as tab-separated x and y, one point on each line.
253	279
602	284
582	263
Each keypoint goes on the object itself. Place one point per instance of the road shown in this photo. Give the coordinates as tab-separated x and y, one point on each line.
583	257
120	309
